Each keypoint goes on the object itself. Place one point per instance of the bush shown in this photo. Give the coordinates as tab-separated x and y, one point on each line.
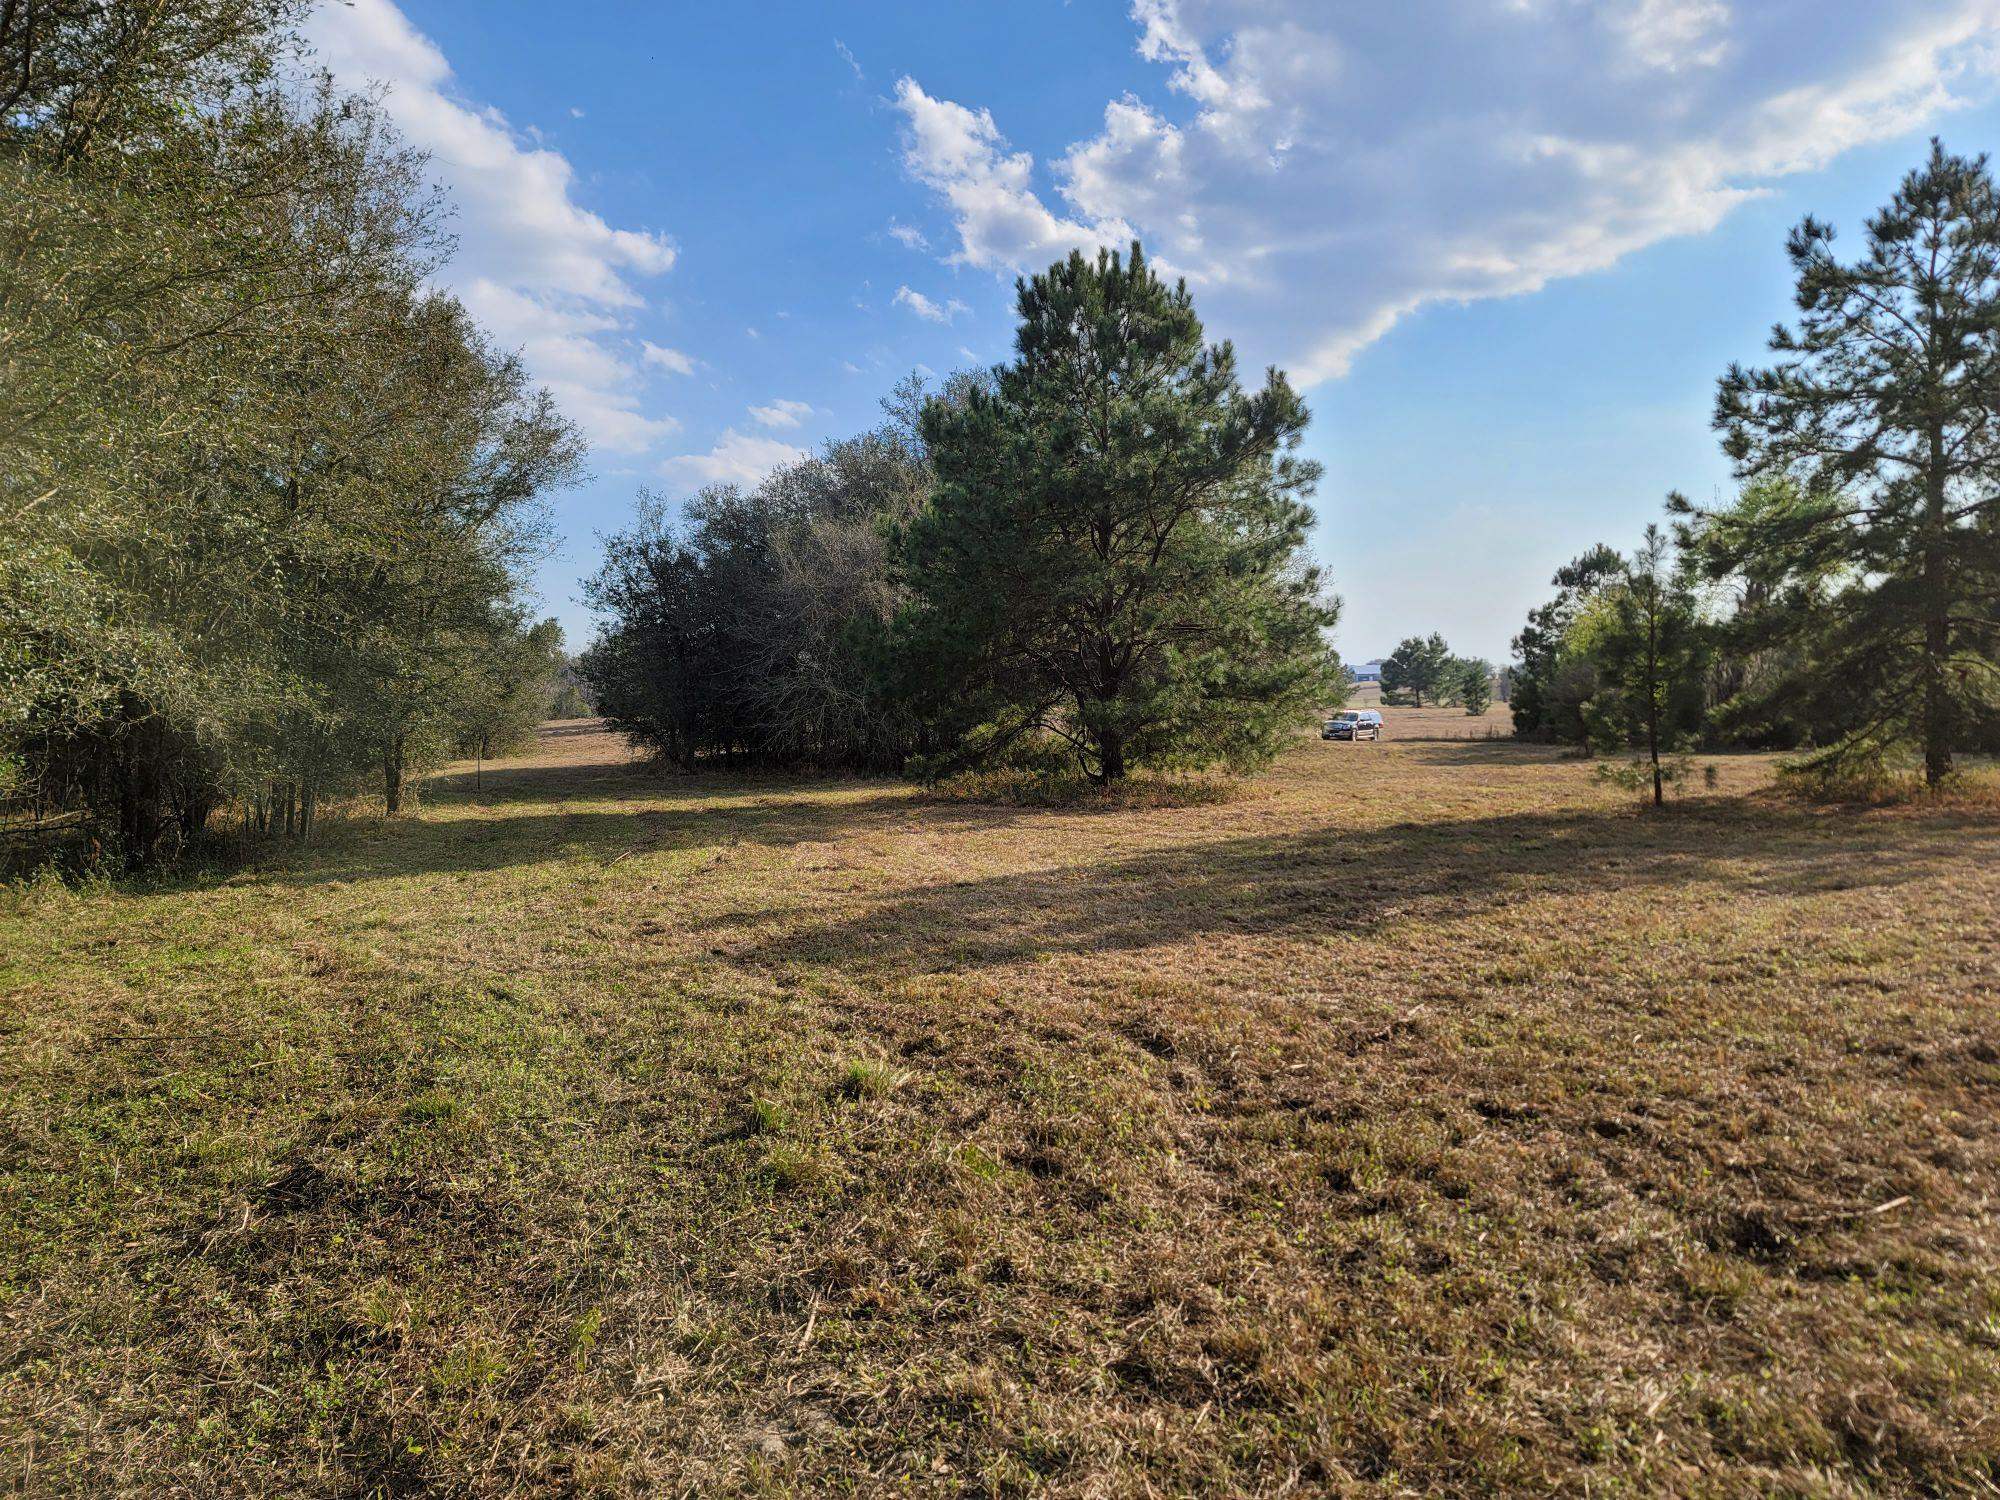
1884	778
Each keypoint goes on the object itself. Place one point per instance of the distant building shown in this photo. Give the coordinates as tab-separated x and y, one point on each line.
1368	671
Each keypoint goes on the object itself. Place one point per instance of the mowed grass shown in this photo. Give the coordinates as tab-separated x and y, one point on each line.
1449	722
1425	1118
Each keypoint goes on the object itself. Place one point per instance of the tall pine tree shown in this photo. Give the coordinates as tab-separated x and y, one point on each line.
1883	557
1111	557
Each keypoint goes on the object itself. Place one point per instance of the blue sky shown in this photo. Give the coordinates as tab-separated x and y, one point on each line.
1506	246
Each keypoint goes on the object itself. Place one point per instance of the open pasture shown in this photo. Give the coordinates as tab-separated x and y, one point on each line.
1423	1117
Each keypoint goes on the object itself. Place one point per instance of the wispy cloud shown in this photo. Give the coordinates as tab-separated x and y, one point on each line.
781	413
925	308
662	358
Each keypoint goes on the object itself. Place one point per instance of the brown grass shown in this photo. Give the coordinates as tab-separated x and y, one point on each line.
1429	723
1424	1118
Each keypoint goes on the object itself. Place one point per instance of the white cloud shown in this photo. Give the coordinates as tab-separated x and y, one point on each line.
543	273
1322	171
1672	34
908	235
925	308
737	458
662	358
567	343
781	413
960	154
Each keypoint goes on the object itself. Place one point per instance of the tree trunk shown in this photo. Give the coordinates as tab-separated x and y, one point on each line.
1937	619
140	820
1653	692
392	775
1111	757
195	813
1937	650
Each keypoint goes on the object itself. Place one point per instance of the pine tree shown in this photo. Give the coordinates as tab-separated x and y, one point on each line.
1418	669
1884	554
1651	653
1111	557
1474	684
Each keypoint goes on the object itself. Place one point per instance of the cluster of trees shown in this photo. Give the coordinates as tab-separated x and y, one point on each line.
753	630
1423	670
1091	557
1847	601
1619	658
265	497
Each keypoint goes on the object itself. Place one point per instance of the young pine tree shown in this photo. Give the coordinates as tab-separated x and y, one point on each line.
1111	555
1651	653
1882	558
1474	684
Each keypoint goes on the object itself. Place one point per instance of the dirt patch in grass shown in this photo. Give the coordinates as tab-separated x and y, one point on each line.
1424	1118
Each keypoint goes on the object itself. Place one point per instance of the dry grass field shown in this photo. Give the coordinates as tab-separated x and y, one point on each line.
1423	1118
1447	723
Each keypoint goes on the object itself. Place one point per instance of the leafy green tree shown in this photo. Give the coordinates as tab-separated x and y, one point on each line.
753	630
1418	670
1881	558
262	497
1541	680
512	679
569	694
1112	555
658	669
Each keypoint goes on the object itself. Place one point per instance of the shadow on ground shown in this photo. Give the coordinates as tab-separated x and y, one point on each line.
691	813
1338	881
1329	880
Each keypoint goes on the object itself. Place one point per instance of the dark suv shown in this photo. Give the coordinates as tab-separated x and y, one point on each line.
1353	724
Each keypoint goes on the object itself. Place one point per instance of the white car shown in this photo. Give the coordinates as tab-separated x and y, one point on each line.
1353	724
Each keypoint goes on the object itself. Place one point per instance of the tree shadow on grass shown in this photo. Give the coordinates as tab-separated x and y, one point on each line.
700	813
1336	881
616	776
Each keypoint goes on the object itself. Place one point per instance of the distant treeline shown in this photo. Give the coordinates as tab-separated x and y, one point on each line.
266	499
1847	602
1084	562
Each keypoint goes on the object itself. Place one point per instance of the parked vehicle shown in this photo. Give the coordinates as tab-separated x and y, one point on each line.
1353	724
